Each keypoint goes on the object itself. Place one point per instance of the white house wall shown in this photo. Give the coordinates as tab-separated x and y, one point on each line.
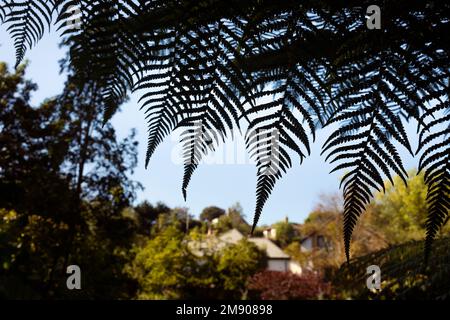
278	265
295	268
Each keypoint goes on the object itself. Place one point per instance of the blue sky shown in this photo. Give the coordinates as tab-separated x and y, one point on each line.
222	185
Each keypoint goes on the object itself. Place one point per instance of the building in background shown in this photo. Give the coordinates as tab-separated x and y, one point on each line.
314	241
277	259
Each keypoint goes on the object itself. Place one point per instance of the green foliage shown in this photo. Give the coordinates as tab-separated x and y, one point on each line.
206	68
234	219
236	263
285	233
395	216
401	212
166	267
294	250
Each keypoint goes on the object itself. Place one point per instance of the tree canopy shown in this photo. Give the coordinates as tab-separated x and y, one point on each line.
207	67
211	213
402	210
63	187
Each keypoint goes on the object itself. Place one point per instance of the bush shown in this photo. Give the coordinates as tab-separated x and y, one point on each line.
274	285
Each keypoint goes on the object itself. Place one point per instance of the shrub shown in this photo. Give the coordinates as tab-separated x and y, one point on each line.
274	285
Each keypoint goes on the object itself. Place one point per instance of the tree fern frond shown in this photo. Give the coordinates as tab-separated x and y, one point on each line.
266	143
2	13
108	52
275	129
435	161
210	89
202	134
285	67
362	145
215	111
27	22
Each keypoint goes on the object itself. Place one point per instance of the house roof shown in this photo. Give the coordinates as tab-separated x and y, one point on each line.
231	236
271	249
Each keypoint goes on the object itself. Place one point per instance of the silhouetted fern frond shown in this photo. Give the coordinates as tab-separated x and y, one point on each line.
435	161
289	101
279	69
106	50
386	82
214	112
2	14
27	22
371	114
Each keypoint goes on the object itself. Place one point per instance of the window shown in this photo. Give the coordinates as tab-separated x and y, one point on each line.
321	242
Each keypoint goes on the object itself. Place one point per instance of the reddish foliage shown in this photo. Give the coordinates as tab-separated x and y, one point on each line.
274	285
